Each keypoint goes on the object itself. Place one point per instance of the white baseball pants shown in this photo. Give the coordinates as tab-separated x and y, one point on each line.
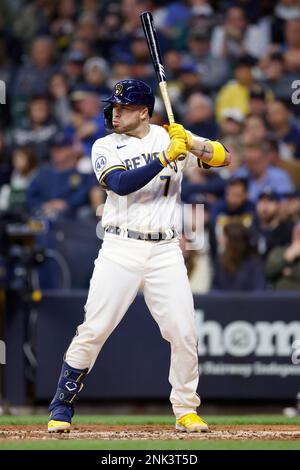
122	268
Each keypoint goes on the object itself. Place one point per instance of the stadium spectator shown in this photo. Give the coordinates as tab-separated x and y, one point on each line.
190	81
59	189
283	264
72	67
214	70
234	208
260	173
159	114
87	121
201	185
258	99
33	77
285	129
95	73
236	37
271	230
292	167
198	116
292	45
255	129
31	19
121	68
198	266
236	92
291	208
63	25
232	122
38	130
233	143
58	92
13	195
238	267
273	75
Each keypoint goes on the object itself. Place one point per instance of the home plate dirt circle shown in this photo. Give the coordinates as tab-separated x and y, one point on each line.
151	432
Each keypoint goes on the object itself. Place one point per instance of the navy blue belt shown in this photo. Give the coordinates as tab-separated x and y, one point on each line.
148	236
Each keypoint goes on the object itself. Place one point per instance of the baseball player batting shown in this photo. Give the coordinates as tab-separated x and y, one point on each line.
138	166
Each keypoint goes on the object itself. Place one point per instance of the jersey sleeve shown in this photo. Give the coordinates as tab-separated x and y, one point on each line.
105	159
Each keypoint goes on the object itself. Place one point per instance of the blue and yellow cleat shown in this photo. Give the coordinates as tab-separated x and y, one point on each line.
191	422
58	426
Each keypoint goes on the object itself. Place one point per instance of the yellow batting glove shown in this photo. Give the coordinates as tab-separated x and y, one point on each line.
175	149
177	131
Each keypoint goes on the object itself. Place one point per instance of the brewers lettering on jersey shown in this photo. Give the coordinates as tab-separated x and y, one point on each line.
137	164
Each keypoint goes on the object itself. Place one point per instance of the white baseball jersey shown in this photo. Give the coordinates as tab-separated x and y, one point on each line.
125	265
155	207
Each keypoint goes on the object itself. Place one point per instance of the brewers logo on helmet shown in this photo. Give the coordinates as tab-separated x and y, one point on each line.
129	92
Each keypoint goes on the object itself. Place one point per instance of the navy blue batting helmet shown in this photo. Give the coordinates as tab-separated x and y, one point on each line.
129	92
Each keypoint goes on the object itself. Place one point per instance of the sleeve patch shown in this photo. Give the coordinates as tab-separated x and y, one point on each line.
100	163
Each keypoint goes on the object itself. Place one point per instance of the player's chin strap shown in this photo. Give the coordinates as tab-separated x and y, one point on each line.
69	385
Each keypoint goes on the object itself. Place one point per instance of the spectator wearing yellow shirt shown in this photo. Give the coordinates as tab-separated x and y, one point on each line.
235	94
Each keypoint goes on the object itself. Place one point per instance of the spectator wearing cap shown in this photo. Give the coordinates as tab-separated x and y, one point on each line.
87	121
38	129
72	66
238	266
285	129
235	207
236	93
260	173
283	264
271	230
214	71
258	100
201	15
232	122
190	81
236	37
199	116
59	189
95	73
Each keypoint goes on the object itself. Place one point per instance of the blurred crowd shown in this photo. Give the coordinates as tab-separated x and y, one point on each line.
233	73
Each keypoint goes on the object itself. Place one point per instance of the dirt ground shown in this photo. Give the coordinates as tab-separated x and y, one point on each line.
157	432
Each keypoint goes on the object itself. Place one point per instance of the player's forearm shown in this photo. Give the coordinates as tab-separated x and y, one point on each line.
210	151
126	182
